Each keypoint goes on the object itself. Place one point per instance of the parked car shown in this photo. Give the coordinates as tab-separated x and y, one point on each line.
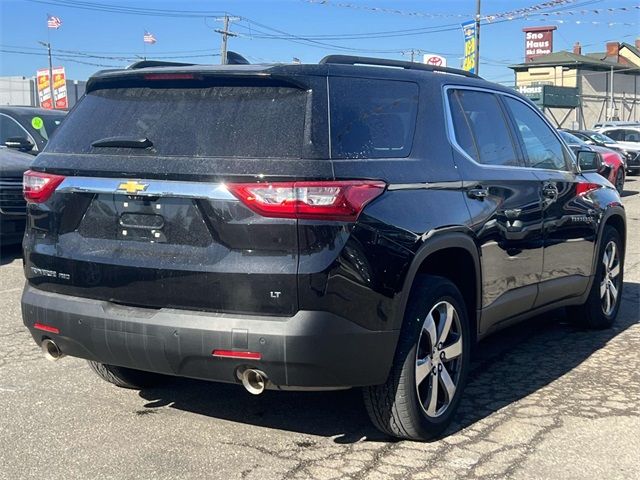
629	150
629	138
614	123
612	163
13	211
302	227
28	128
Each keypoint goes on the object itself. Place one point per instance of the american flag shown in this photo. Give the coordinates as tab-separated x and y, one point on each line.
149	38
53	22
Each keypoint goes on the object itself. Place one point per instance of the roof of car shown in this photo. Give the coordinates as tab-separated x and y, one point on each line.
25	110
412	72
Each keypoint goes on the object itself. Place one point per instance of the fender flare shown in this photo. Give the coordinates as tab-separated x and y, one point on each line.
438	241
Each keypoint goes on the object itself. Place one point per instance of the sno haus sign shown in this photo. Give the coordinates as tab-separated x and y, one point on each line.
538	41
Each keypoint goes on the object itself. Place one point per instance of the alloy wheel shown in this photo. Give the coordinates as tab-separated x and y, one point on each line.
438	359
610	284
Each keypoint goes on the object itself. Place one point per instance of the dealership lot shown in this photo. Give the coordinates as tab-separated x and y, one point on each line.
544	401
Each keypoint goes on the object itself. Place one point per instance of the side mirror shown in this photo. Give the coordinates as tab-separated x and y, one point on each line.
588	161
19	143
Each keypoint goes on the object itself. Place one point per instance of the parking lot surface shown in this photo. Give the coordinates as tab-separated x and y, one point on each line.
544	400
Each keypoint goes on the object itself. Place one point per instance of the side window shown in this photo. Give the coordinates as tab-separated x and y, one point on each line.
631	136
617	135
372	118
481	129
10	128
542	148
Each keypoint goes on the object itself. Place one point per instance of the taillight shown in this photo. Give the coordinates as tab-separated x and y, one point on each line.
37	187
585	187
330	200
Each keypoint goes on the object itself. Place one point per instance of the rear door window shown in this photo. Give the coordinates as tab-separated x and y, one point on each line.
212	121
481	128
542	147
372	118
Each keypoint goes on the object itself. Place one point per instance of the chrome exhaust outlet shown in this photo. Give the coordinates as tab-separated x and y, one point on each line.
51	350
254	381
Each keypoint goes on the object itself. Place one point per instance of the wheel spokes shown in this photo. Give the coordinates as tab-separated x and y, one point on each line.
429	327
445	324
612	255
447	383
603	288
454	350
432	404
613	290
615	271
423	370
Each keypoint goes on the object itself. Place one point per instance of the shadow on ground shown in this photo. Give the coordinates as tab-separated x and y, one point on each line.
631	186
8	253
534	346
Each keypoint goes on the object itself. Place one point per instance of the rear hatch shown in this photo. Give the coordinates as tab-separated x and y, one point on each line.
143	213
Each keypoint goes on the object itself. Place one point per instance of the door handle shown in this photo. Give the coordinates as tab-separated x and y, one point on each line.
479	193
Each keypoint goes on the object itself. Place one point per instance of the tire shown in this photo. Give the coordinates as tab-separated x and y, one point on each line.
620	181
596	313
126	377
396	407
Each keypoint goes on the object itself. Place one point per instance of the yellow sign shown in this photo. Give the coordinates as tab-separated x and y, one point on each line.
469	31
132	186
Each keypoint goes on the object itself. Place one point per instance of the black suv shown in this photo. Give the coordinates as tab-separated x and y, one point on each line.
311	227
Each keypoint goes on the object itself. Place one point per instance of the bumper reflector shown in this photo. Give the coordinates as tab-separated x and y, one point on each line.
237	354
45	328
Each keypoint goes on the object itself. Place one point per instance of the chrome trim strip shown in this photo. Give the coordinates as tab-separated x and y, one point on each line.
452	185
155	188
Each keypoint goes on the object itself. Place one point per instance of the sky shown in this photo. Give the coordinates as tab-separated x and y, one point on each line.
106	34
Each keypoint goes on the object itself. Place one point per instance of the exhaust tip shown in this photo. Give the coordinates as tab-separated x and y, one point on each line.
50	350
254	381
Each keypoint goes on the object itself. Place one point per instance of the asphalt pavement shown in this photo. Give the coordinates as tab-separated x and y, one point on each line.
544	400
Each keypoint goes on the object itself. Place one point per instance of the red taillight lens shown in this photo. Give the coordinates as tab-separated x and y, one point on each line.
339	200
586	187
37	187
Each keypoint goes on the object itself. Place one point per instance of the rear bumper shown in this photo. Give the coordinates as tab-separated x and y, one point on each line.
311	349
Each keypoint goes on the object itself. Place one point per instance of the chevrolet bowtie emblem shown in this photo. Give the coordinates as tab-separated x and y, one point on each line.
133	187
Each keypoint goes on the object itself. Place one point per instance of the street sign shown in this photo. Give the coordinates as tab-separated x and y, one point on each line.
435	60
59	88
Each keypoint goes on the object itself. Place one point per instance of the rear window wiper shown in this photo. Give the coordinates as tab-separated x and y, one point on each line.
123	142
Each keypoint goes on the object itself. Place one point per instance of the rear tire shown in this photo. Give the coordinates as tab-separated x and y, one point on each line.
428	353
603	303
126	377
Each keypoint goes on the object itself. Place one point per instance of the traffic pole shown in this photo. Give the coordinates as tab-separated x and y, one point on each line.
477	39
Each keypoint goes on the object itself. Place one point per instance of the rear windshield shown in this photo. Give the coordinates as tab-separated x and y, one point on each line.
216	121
372	118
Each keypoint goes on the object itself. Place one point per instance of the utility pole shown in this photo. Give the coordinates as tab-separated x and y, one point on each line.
225	34
612	109
477	39
48	45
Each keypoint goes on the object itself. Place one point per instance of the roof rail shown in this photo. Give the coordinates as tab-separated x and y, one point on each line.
354	60
157	63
